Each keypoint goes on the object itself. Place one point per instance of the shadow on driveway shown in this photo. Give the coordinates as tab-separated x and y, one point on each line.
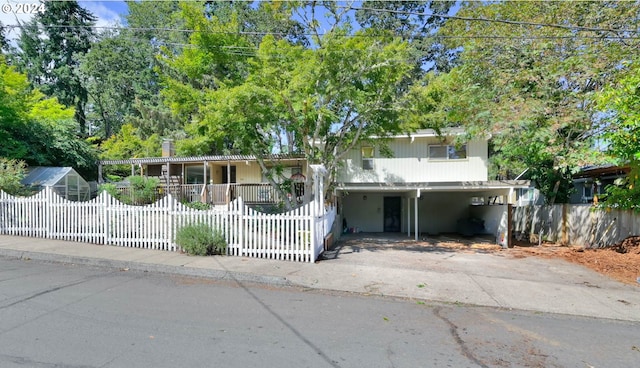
381	242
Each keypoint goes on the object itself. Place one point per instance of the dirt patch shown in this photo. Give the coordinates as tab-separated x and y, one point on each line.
620	262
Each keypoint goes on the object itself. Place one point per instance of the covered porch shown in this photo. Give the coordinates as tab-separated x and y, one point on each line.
215	180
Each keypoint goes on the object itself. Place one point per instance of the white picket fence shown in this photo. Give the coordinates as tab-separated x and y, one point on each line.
297	235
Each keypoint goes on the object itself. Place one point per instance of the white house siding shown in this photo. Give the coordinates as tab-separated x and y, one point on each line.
411	165
439	212
365	215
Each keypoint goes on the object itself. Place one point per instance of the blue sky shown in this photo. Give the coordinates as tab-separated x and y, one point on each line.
107	12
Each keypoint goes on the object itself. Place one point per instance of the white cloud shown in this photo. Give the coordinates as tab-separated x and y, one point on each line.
104	11
13	12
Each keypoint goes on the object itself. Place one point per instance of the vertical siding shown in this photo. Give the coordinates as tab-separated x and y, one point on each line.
410	164
248	173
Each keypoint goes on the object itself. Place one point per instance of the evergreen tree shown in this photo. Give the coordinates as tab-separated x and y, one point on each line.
50	45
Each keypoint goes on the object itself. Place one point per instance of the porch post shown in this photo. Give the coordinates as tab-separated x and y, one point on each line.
168	176
229	181
204	193
100	178
133	169
416	213
408	216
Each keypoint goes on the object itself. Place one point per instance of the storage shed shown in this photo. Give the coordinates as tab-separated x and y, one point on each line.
63	180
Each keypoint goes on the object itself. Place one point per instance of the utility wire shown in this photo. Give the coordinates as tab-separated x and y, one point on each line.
264	33
505	21
445	16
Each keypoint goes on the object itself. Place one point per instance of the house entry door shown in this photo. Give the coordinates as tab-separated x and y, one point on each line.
392	214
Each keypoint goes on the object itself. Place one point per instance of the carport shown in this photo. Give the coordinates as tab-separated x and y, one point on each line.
427	208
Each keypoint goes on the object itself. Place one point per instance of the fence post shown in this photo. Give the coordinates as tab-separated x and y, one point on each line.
106	224
171	214
313	219
241	225
47	213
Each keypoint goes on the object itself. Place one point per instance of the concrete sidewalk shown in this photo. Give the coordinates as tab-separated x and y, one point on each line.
485	279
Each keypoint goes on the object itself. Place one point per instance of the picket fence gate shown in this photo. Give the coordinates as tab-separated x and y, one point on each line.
297	235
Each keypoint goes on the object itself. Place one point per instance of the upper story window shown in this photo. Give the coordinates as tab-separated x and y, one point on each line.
367	157
448	152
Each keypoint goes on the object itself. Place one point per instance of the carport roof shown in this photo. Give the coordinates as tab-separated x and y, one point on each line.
435	186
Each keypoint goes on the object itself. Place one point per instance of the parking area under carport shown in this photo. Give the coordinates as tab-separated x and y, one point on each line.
418	211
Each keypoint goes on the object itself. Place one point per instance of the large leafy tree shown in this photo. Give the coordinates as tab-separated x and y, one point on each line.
320	102
39	130
621	101
533	70
414	21
50	45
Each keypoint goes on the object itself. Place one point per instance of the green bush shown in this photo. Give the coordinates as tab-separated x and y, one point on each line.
197	205
140	191
11	174
143	190
201	240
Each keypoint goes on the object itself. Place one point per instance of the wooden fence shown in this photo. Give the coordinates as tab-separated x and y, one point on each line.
575	224
297	235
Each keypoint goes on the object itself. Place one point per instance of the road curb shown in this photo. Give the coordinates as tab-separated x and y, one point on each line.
147	267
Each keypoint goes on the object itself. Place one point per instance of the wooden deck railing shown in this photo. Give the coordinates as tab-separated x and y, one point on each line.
216	194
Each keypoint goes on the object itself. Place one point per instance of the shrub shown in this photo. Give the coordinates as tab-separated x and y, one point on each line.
143	190
11	174
201	240
140	191
197	205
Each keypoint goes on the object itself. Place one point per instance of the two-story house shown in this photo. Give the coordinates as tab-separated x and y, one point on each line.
431	184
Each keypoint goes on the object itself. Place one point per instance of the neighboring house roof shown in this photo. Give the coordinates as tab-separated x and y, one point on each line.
596	171
195	159
46	176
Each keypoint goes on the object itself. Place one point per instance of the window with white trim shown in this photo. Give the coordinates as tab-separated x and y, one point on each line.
447	152
367	158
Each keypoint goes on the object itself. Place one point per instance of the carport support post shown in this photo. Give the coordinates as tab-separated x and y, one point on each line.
408	216
416	213
509	225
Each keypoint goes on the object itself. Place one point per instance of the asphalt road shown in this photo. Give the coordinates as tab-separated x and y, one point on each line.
57	315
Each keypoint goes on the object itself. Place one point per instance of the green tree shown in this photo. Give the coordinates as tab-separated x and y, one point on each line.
321	101
621	101
50	45
39	130
535	73
119	75
413	21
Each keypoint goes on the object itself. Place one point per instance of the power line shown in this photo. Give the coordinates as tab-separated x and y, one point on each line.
264	33
504	21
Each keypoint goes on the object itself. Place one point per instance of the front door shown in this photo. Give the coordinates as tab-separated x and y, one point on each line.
392	214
